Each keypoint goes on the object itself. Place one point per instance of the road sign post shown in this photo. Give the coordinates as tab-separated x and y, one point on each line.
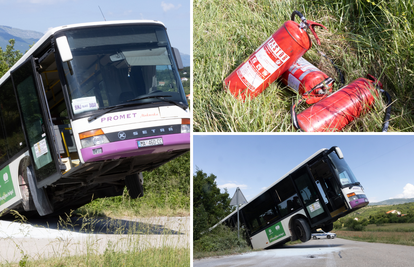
237	200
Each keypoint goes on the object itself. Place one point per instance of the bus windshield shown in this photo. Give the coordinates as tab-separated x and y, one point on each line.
116	65
342	170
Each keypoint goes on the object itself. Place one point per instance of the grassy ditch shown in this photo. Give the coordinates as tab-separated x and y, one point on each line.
166	193
109	242
395	233
363	37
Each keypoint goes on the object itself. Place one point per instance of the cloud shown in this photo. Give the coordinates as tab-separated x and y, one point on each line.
408	192
232	185
169	6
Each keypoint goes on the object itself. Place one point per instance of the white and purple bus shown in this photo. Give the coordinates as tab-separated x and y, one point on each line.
85	111
313	195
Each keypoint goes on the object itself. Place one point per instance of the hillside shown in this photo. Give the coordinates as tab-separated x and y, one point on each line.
393	201
26	38
364	213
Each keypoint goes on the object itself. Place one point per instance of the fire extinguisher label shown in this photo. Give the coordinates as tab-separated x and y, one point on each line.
293	82
262	64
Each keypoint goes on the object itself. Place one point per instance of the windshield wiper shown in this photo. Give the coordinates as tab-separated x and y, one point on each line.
356	183
147	96
160	97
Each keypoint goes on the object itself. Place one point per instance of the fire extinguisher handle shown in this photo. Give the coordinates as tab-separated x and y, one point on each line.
311	26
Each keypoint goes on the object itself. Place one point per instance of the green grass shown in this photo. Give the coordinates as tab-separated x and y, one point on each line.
399	234
156	242
166	193
220	241
165	256
362	38
391	227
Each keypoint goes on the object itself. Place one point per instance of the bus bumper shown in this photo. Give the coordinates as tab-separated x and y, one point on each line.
129	148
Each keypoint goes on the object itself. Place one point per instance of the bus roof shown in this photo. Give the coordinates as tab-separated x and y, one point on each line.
292	170
52	31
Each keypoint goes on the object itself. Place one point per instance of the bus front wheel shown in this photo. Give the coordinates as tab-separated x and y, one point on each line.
302	230
134	184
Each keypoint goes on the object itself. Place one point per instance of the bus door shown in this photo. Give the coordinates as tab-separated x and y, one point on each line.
328	187
311	198
37	123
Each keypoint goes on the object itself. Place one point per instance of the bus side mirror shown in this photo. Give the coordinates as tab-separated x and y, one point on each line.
64	49
339	152
177	58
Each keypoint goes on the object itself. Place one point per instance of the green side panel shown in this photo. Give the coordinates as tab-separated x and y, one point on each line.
6	186
275	232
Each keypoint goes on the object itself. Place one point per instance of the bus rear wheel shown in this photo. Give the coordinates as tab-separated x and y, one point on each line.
302	230
328	227
134	184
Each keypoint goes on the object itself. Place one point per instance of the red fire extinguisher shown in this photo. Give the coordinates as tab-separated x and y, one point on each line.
340	108
272	58
307	80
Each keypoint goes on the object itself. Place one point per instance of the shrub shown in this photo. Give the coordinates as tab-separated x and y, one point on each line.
219	239
337	225
353	225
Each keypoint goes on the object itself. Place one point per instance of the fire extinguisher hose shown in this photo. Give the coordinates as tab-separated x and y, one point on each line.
387	111
338	71
295	116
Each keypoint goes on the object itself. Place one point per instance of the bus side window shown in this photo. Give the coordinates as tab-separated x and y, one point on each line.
12	130
287	197
3	144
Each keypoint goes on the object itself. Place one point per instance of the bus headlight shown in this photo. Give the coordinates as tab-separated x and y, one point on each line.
185	125
93	138
185	128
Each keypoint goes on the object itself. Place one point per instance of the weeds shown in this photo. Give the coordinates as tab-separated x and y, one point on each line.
220	241
116	243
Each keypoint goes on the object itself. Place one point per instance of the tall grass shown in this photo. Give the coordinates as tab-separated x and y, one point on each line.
362	38
109	243
166	193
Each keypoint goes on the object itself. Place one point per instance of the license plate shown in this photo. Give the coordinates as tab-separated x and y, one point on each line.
150	142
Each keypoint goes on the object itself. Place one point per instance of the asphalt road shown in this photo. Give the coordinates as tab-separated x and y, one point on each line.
333	252
54	237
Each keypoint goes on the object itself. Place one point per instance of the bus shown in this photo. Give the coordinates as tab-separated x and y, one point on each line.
313	195
85	111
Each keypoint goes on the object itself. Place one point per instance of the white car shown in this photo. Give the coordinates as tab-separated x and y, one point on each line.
321	234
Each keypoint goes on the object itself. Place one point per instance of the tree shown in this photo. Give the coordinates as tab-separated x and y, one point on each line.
9	57
210	205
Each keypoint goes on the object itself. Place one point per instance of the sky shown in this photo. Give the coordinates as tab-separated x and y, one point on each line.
383	164
40	15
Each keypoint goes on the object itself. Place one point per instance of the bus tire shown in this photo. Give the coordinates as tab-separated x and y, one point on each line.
134	184
27	199
328	227
302	230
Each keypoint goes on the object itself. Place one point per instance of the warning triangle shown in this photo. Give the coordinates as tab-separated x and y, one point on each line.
238	198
